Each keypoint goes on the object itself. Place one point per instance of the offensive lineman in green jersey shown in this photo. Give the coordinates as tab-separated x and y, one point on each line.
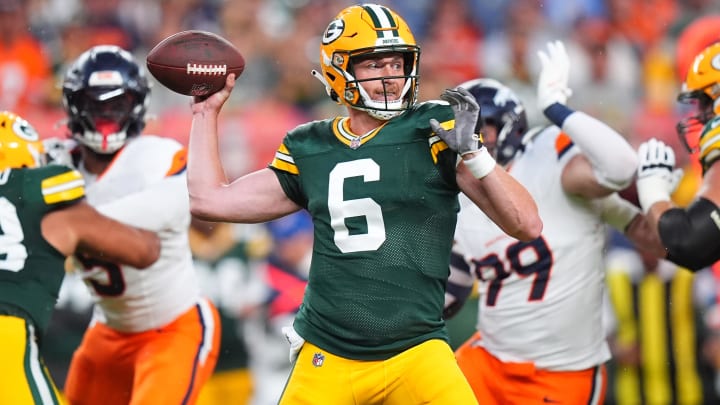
381	185
43	220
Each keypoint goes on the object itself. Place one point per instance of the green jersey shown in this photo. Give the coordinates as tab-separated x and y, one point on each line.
384	207
31	270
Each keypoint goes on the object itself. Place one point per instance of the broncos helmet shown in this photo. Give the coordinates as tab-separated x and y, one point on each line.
501	108
360	31
105	94
20	144
701	88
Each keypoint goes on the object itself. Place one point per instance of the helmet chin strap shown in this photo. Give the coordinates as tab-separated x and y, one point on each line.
322	80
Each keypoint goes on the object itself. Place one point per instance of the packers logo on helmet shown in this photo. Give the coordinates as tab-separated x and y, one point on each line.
333	31
20	144
360	31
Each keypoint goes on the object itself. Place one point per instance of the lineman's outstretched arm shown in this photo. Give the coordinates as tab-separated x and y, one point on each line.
255	197
81	228
627	218
608	161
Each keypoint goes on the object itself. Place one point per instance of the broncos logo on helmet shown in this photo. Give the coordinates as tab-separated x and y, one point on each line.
501	108
105	94
360	31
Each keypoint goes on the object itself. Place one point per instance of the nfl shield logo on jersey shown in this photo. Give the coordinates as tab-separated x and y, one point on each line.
318	359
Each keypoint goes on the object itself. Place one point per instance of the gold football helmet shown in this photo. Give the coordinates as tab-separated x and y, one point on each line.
702	88
359	31
20	144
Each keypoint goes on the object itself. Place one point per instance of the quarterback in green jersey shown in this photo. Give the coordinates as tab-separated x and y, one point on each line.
381	185
43	220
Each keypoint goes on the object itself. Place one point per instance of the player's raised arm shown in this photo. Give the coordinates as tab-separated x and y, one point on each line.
255	197
488	185
595	172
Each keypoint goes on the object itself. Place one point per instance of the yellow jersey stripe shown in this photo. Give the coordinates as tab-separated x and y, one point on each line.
710	139
283	161
627	379
621	294
437	145
687	380
654	342
67	186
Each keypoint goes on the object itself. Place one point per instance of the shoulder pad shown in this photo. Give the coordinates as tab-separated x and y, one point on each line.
61	184
710	143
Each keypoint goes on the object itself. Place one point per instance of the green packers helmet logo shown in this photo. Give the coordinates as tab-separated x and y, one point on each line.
333	31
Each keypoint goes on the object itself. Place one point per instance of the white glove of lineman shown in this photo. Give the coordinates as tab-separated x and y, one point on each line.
554	75
295	340
462	138
657	175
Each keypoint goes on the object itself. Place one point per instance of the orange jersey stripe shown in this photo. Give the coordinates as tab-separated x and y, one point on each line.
179	163
562	144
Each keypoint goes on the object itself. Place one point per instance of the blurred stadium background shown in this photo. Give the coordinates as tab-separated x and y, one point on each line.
628	60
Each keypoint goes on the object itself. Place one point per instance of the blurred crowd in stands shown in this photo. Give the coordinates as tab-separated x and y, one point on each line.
628	61
628	55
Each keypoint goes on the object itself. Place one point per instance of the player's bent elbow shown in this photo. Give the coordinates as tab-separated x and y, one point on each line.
692	236
620	175
616	181
201	208
625	167
527	229
531	233
532	228
149	252
689	256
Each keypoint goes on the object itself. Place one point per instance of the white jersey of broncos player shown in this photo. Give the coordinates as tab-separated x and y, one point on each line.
540	301
144	186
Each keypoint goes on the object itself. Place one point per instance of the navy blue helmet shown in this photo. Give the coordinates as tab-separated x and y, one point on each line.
501	108
105	94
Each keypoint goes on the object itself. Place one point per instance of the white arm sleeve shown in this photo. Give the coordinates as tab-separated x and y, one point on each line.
616	211
155	208
613	159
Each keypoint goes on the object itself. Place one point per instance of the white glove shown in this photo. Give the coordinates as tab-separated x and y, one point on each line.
657	175
295	340
554	74
462	138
